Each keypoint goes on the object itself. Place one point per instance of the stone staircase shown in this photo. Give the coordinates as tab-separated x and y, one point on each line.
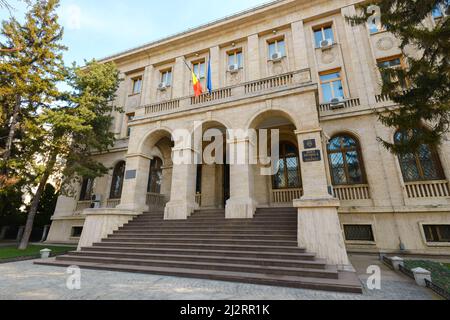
262	250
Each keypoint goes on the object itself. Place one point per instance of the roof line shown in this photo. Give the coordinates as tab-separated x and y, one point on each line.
187	31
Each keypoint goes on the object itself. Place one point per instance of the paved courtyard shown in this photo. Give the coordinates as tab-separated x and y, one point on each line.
24	280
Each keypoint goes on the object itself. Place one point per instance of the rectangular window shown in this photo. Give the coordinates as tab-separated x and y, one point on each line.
235	58
392	63
277	46
322	34
437	12
76	232
87	189
331	84
130	117
359	233
166	77
137	85
437	233
199	69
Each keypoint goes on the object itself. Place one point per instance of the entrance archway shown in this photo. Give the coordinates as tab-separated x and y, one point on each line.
213	174
285	185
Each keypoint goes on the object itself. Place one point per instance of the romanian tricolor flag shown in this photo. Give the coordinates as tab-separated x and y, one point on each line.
197	85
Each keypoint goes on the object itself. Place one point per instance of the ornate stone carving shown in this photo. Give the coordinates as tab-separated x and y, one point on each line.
385	43
328	56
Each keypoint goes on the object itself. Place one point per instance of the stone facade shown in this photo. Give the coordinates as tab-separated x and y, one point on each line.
285	94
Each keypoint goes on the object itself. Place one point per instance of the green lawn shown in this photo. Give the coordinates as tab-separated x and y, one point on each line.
440	272
12	252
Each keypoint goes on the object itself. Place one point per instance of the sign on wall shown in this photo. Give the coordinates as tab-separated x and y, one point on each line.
312	156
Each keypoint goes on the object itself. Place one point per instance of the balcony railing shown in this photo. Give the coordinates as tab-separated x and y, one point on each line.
381	98
427	189
163	106
291	79
352	192
156	201
198	199
112	203
349	103
286	195
214	95
82	205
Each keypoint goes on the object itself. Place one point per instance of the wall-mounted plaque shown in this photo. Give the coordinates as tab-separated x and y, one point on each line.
309	144
130	174
312	156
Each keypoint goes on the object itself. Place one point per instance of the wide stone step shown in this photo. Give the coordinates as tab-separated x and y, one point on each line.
287	243
210	258
209	229
301	255
273	239
299	272
216	222
202	245
347	281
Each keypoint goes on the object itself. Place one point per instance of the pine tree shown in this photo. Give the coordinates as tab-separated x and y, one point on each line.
69	133
424	112
28	77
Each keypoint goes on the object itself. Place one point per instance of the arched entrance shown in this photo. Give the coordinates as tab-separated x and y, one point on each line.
148	175
213	174
285	185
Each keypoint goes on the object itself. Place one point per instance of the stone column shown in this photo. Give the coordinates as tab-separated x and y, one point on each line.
134	193
241	204
215	67
147	86
299	44
319	229
178	78
254	72
182	197
358	57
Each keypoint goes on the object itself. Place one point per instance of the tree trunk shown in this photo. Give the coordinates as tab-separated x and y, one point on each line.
37	198
12	132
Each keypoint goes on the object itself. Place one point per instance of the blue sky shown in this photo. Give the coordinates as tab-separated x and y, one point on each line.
99	28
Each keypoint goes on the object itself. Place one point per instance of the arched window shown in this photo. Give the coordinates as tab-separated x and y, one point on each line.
345	160
87	188
423	165
155	176
117	181
288	175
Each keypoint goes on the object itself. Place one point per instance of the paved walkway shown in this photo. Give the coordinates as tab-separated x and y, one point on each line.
23	280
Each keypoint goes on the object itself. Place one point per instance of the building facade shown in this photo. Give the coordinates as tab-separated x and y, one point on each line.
291	65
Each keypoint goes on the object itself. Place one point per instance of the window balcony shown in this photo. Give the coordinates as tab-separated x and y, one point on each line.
329	108
427	189
291	80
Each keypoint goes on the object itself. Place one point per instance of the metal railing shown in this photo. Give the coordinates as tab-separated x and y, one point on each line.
427	189
438	290
352	192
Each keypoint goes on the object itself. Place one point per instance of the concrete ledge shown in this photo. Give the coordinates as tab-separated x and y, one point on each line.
319	230
100	223
314	203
